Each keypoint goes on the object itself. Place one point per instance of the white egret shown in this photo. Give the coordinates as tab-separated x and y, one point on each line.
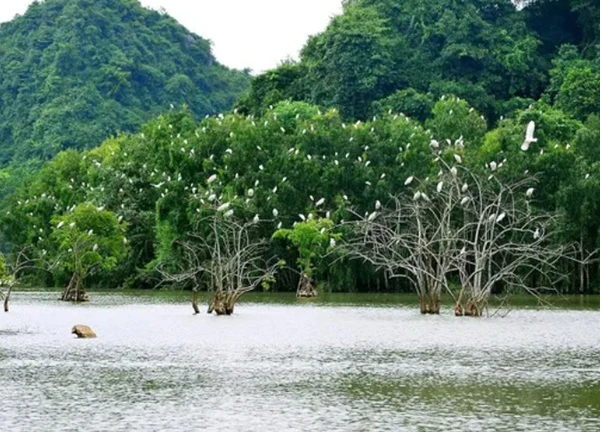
320	202
377	205
409	180
536	234
440	186
90	232
454	171
301	216
95	248
457	158
465	187
60	225
332	243
530	192
529	136
372	216
417	196
256	218
212	179
228	213
464	200
493	166
224	207
275	212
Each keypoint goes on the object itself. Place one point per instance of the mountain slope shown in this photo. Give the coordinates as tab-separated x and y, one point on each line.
73	72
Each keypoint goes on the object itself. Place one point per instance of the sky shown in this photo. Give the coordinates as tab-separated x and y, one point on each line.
255	34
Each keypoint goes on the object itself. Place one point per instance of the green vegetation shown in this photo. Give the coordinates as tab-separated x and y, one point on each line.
391	91
74	72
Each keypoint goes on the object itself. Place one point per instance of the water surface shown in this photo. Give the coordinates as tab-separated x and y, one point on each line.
298	367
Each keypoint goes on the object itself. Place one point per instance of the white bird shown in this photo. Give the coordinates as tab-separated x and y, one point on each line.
440	186
275	212
501	217
409	180
457	158
493	166
529	136
250	193
332	243
587	176
377	205
212	179
464	188
90	232
372	216
435	144
530	192
72	225
95	248
320	202
275	189
301	216
536	234
454	171
279	225
60	225
228	213
120	219
224	207
256	218
464	200
417	196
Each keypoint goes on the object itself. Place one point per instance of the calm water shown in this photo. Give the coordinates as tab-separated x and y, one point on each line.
284	367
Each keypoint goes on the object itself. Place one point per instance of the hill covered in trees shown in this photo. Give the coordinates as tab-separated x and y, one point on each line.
404	55
73	72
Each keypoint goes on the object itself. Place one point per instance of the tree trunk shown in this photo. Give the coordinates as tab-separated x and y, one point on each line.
7	298
305	287
195	302
75	291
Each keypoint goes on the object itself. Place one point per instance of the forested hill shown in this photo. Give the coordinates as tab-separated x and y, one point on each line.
73	72
404	55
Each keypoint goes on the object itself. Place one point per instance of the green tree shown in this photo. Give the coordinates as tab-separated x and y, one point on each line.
89	239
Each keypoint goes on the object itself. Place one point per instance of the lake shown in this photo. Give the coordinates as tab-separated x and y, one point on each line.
278	365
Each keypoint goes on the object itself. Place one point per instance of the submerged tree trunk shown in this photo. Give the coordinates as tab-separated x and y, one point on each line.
223	304
75	291
7	298
430	304
195	302
305	287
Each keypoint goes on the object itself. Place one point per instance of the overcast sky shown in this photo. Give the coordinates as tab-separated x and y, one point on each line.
257	34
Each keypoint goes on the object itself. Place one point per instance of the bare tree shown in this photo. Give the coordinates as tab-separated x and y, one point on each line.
463	224
17	263
222	252
503	242
413	239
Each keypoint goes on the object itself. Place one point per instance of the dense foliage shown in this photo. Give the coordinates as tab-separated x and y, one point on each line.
294	164
74	72
330	138
402	55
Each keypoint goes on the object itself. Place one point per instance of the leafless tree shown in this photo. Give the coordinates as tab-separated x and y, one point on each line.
463	224
223	253
18	262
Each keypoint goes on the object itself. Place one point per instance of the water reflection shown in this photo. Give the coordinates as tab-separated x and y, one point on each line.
276	367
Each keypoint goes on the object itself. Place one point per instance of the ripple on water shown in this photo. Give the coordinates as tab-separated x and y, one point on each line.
156	367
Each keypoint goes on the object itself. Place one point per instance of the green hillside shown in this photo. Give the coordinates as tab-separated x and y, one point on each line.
73	72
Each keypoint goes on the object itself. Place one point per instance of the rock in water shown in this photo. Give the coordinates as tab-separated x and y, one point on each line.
83	332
